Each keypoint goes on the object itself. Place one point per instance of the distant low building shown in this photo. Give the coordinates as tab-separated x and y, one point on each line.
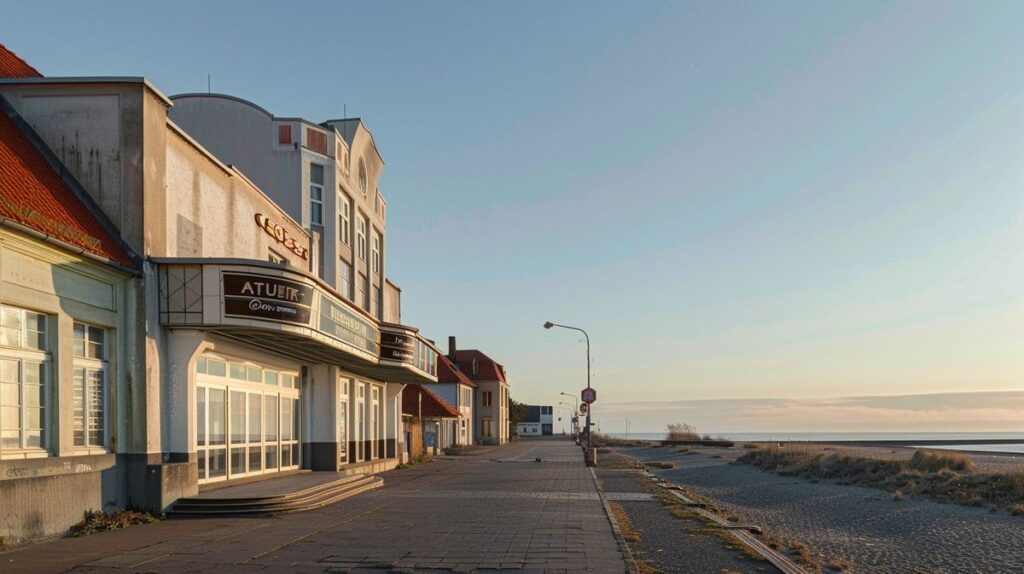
539	421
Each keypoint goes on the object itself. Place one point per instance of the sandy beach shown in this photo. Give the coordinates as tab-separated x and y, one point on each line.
861	526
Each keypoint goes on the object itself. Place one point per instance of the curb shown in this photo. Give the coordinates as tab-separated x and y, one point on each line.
627	554
743	532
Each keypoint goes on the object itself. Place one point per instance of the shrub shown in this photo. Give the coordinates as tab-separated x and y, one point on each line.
933	461
99	521
682	431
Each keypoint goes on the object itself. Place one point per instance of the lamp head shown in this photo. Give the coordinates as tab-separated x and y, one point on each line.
548	325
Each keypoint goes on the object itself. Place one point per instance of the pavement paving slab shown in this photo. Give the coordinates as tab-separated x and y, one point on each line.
498	510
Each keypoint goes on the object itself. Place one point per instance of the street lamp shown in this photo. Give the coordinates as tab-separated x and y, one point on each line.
548	325
575	410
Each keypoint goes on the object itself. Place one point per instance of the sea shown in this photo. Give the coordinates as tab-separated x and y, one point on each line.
1011	442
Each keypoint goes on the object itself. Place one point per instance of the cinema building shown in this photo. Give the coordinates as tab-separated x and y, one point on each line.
235	349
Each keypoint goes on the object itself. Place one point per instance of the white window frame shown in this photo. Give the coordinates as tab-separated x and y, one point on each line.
91	364
268	383
22	354
313	201
375	263
345	284
361	225
344	219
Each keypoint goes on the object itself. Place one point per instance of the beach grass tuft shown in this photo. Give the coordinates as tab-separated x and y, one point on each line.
934	461
946	475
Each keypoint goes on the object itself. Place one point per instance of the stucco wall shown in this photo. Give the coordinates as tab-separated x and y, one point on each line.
211	211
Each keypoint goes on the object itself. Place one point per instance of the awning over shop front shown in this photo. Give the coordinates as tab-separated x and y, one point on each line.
290	313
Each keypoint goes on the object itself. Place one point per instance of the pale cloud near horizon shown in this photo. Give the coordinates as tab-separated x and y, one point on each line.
935	412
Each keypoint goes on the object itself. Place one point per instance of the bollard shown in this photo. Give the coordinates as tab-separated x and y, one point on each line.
590	456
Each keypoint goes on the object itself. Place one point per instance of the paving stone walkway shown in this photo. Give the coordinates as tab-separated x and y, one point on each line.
503	510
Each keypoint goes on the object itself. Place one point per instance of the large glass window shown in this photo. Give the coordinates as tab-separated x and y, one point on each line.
316	194
89	382
24	379
246	419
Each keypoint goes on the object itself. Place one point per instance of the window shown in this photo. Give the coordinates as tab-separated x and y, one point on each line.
316	140
361	237
275	257
485	427
364	301
316	194
361	291
344	219
345	279
375	262
284	135
488	398
89	381
24	379
363	181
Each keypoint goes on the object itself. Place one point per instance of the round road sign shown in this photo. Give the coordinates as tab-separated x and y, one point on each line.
588	395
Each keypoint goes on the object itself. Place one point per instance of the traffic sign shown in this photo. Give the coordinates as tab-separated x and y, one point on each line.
588	395
584	408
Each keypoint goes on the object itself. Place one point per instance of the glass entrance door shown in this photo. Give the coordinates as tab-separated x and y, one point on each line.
358	426
374	421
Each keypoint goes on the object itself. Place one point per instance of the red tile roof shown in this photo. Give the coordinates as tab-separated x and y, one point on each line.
33	195
447	372
11	66
487	368
432	405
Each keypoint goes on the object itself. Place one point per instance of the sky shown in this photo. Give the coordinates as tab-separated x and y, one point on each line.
771	203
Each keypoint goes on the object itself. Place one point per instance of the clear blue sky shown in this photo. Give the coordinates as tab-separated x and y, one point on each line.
738	200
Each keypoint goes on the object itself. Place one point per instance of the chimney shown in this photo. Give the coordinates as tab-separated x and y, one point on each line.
451	348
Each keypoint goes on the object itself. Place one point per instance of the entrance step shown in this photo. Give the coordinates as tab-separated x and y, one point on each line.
299	501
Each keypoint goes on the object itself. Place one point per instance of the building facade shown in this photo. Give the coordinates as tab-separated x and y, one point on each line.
538	421
227	351
458	390
67	284
491	396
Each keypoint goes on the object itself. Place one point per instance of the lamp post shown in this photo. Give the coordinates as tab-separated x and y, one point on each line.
572	415
548	325
574	410
576	413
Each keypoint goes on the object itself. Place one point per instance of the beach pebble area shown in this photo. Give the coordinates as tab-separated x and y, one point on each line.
861	527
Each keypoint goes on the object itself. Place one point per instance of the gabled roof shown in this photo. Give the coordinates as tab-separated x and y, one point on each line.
11	66
447	372
487	368
34	196
431	404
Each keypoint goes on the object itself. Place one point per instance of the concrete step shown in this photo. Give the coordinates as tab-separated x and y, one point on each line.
307	499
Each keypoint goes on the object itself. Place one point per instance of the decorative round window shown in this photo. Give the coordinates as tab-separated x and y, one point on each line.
362	176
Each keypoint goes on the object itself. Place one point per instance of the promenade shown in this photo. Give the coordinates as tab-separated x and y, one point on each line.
497	510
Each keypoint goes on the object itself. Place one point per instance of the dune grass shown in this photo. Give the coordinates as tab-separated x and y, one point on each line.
944	475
